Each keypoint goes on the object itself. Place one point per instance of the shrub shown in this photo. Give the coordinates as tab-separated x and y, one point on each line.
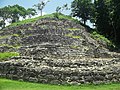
101	38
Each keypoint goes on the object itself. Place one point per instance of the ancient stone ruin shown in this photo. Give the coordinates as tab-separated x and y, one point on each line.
57	52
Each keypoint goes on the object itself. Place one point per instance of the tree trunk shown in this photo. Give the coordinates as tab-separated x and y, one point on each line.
41	12
114	31
84	22
3	23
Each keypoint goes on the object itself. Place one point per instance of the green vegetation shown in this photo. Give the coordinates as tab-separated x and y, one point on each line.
6	36
40	6
61	16
102	38
14	13
72	36
16	35
7	45
82	9
59	10
73	29
74	47
106	23
29	20
16	85
6	55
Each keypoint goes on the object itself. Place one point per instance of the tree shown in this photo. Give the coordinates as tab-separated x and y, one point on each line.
31	12
4	15
40	6
107	18
2	24
103	21
116	19
60	9
13	13
105	14
17	12
82	9
93	13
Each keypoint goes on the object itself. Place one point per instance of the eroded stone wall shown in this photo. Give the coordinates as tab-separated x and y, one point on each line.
62	71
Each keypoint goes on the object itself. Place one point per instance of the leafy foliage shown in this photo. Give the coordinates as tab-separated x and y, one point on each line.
116	20
13	14
101	38
59	10
104	14
82	9
31	12
103	18
40	6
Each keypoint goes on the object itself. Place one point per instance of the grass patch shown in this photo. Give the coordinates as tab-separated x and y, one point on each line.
16	35
77	37
62	16
72	36
7	36
102	38
7	45
27	21
74	47
3	37
73	29
16	85
5	55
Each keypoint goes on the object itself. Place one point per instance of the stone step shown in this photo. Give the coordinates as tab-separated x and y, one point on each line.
62	68
85	62
60	75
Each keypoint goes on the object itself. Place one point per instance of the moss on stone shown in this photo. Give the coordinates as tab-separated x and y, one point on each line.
72	36
17	46
5	36
74	47
17	35
73	29
6	55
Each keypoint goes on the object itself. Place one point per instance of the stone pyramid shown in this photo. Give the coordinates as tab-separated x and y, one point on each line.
57	51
